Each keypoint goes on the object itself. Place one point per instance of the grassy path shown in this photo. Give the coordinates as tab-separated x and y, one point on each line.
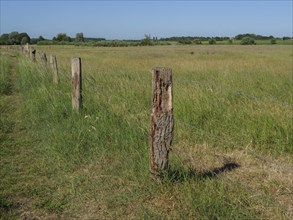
11	130
17	148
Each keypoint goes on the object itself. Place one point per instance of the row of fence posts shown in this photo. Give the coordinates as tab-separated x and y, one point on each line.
31	53
162	119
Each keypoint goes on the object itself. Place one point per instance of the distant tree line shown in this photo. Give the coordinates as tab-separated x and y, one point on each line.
15	38
256	37
190	39
193	39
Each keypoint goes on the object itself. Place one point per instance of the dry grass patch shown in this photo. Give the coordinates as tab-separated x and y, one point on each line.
268	181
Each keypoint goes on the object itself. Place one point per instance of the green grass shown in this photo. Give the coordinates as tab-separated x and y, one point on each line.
94	164
5	80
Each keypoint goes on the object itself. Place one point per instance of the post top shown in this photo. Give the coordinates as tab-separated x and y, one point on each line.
160	68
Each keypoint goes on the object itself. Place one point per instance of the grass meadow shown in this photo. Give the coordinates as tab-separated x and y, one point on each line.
232	154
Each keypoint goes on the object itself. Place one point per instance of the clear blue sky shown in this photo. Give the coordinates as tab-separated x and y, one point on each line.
133	19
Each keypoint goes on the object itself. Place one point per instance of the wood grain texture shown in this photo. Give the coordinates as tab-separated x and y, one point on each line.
162	121
76	84
54	67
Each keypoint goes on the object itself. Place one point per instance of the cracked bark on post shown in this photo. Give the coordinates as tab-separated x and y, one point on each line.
76	84
53	62
162	121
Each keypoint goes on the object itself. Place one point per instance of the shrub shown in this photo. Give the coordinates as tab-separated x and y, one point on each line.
146	41
185	41
212	41
62	37
247	41
273	41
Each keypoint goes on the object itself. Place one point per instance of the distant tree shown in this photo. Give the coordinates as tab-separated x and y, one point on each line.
4	39
37	40
34	40
14	38
247	41
79	37
146	41
241	36
24	38
41	38
62	37
254	36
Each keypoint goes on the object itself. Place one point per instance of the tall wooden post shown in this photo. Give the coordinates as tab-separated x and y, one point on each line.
44	58
76	84
162	121
53	62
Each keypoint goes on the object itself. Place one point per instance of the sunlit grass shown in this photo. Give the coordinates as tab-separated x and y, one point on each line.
232	95
95	164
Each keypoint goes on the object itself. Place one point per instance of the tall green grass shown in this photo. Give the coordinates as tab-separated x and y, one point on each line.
240	94
225	96
94	164
101	155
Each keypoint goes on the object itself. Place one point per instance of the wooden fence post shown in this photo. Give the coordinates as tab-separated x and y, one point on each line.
162	121
33	54
26	49
76	84
44	58
53	62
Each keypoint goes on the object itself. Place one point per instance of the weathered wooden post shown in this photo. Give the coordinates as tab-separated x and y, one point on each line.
162	121
76	84
26	49
19	48
33	54
53	62
44	58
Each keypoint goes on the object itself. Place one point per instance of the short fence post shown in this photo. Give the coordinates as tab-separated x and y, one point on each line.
26	49
44	58
53	62
76	84
33	54
162	121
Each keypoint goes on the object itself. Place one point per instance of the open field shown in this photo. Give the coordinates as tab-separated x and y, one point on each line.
232	155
